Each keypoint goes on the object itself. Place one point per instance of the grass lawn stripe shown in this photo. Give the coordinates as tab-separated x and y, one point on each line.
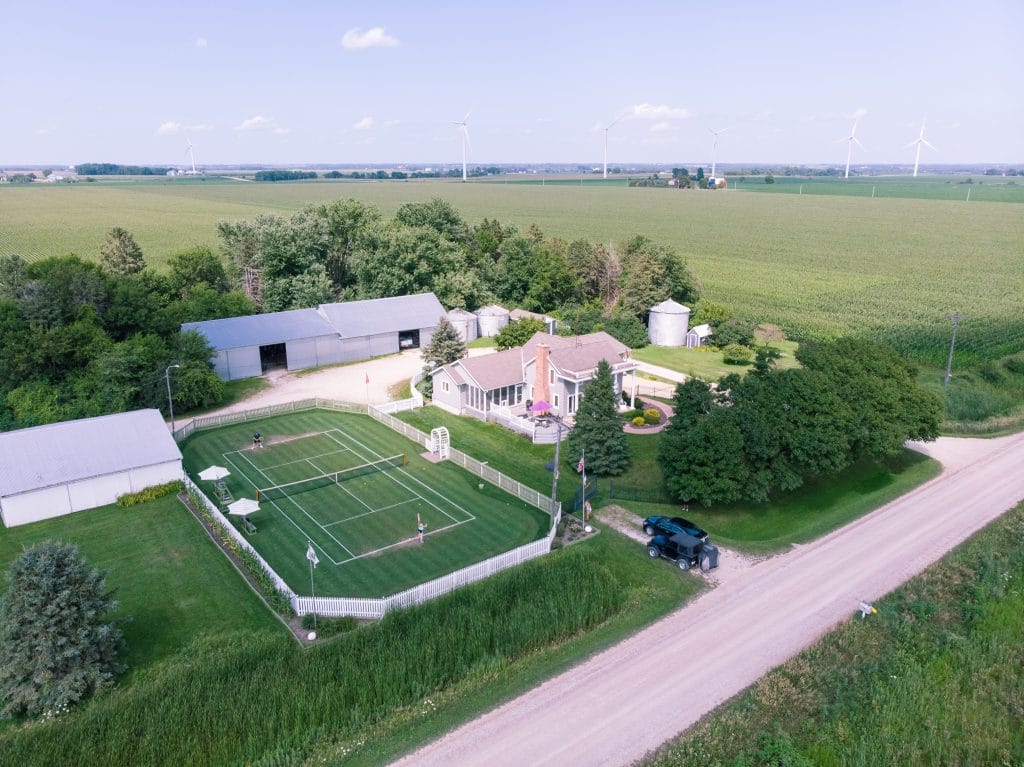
285	514
414	479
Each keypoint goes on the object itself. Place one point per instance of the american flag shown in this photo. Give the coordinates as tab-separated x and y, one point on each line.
367	378
580	467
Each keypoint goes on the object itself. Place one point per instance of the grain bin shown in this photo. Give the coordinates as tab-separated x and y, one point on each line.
464	323
667	323
491	320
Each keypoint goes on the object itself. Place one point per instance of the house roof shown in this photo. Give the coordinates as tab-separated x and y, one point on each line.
57	453
702	331
262	329
489	371
577	355
352	319
668	306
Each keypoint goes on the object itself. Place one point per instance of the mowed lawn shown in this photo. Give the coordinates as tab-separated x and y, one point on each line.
706	362
363	527
172	582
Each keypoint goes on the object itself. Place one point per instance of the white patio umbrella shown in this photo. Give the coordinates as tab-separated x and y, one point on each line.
243	507
214	473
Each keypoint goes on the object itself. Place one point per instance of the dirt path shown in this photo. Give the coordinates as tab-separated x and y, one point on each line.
601	712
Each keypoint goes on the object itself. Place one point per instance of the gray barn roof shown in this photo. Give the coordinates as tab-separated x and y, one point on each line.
353	319
44	456
262	329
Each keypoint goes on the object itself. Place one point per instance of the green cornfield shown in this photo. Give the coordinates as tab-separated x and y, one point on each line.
819	265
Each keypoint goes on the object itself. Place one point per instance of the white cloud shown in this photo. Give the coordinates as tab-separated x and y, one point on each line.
200	42
365	124
857	113
171	128
661	127
46	131
657	112
358	40
391	123
261	123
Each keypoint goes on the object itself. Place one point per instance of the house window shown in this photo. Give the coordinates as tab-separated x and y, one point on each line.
556	402
572	403
551	376
444	386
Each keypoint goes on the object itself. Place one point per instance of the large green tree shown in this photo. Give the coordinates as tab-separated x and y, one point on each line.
652	273
598	431
518	332
446	345
121	254
57	644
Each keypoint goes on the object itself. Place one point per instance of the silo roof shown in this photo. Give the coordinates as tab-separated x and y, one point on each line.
491	311
668	306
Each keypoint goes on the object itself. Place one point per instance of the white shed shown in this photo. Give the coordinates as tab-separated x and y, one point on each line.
667	323
698	335
491	320
53	470
464	323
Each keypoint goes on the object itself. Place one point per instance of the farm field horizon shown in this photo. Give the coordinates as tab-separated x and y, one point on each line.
818	265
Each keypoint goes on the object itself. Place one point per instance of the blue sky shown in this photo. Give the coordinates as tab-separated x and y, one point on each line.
344	82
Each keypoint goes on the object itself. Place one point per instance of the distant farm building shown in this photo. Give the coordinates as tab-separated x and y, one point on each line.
53	470
331	333
521	314
667	323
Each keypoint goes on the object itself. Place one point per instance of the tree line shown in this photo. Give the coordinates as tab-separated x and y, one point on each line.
80	339
113	169
346	250
751	438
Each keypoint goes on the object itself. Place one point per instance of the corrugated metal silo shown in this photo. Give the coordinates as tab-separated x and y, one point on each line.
667	324
464	323
491	320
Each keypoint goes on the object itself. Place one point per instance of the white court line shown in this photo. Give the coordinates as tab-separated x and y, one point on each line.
408	540
368	513
299	507
390	475
300	460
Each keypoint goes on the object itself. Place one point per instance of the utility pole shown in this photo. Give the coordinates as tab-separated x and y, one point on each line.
956	317
170	399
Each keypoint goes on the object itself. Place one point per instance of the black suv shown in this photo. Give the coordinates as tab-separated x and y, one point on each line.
669	526
685	550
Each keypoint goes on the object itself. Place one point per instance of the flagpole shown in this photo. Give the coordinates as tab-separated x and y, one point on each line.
583	483
312	591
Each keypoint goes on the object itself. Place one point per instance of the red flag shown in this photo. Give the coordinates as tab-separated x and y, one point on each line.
580	467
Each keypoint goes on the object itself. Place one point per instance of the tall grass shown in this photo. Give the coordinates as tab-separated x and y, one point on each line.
245	697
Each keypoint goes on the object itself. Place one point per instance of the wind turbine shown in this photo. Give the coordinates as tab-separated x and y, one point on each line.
606	129
714	150
851	140
918	141
191	152
465	140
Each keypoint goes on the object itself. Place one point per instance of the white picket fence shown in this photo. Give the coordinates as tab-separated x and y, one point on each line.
238	536
336	607
378	607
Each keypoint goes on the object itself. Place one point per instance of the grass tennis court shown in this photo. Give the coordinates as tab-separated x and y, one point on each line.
356	490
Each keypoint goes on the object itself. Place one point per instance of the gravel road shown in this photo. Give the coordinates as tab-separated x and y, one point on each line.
601	712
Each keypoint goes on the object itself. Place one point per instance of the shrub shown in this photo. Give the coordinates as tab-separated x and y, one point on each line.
1015	365
150	493
734	354
639	421
652	416
327	627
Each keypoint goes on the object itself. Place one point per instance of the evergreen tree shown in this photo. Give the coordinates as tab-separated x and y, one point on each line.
598	430
120	254
55	645
446	345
